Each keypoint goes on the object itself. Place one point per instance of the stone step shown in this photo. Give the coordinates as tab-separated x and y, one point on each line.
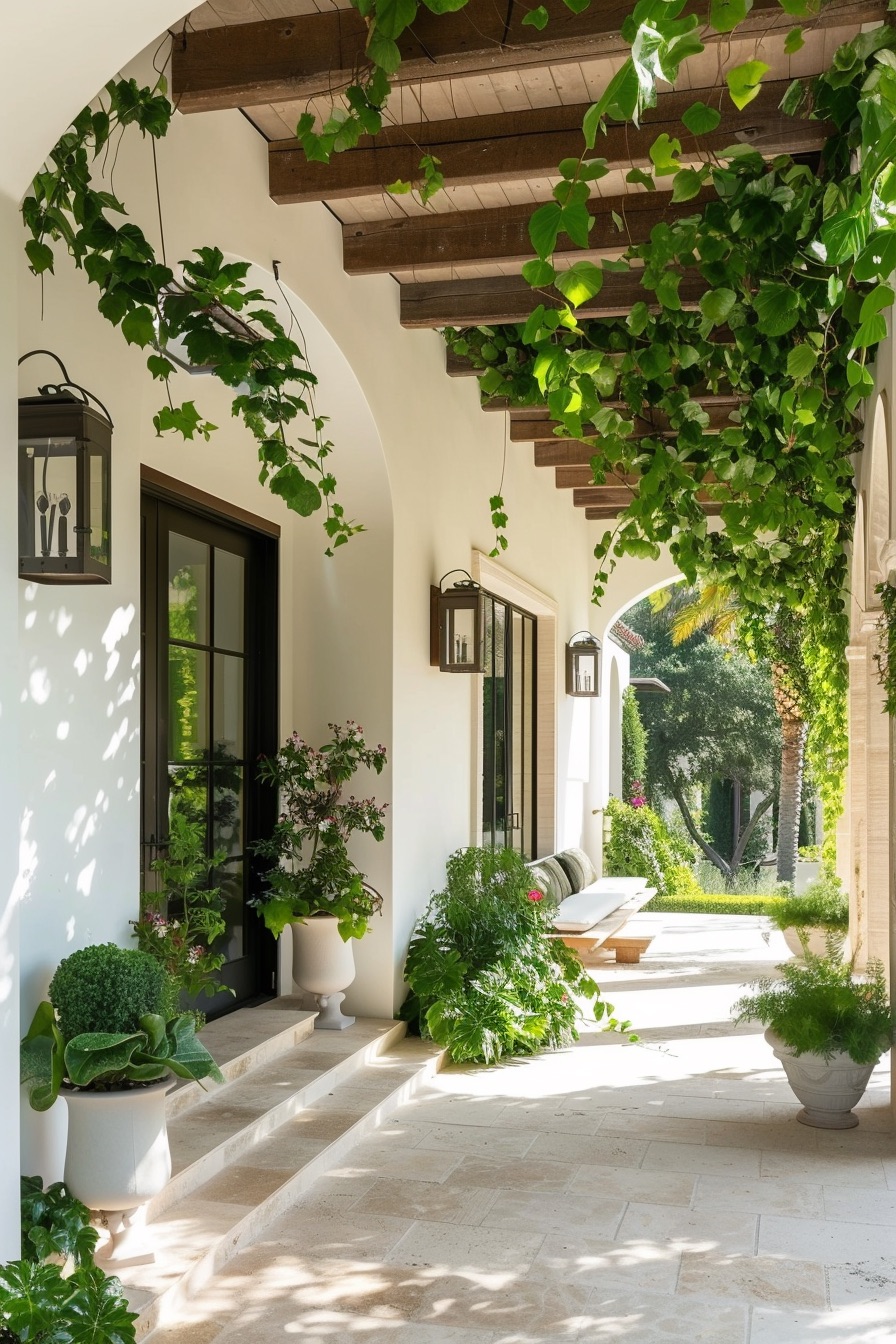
245	1153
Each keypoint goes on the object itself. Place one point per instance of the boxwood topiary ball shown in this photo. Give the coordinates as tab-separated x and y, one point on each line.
106	988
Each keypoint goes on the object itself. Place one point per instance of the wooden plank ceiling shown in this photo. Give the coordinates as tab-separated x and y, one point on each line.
500	103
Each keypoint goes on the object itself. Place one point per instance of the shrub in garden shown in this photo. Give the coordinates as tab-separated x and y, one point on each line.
641	845
634	744
823	905
486	979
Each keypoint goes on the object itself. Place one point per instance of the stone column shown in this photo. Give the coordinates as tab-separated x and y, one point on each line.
10	244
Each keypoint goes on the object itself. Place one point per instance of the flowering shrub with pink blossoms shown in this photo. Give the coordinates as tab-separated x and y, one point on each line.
311	871
486	977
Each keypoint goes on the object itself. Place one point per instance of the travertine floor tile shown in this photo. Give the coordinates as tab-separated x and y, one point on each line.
861	1281
551	1309
797	1199
687	1229
445	1247
828	1242
409	1164
440	1202
645	1318
611	1150
752	1278
826	1169
591	1215
495	1173
700	1158
640	1125
859	1206
623	1270
483	1141
861	1325
649	1187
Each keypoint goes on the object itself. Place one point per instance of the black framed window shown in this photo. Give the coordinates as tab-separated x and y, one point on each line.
508	723
209	710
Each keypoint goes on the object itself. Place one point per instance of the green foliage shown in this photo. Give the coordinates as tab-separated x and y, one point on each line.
634	745
886	658
54	1223
106	988
313	873
104	1028
641	845
41	1306
179	923
823	905
486	979
714	904
221	323
819	1007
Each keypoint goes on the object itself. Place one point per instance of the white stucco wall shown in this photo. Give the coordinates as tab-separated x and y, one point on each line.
416	460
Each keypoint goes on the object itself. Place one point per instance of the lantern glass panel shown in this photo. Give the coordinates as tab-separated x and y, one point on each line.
52	495
100	510
585	673
460	636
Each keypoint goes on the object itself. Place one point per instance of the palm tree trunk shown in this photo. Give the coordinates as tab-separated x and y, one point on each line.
793	744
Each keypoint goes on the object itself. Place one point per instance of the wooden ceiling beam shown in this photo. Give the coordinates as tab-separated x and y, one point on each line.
508	298
500	236
602	496
514	146
541	432
605	513
313	55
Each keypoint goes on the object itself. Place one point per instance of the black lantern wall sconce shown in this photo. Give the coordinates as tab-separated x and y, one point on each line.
583	664
65	450
457	625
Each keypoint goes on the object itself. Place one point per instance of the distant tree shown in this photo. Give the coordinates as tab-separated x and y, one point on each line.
634	746
718	723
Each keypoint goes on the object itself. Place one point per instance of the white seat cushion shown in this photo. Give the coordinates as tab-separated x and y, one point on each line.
632	886
579	912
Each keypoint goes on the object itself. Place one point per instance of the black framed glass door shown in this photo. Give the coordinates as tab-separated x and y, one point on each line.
508	729
209	710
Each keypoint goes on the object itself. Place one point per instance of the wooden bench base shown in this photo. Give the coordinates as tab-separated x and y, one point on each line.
619	932
628	947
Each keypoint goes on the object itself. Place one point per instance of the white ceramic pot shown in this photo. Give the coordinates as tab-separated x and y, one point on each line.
828	1088
816	941
323	965
117	1157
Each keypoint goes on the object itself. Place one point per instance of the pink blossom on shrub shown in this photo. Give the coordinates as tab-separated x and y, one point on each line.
535	895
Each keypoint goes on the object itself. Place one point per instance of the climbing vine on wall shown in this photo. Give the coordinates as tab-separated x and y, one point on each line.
886	658
205	307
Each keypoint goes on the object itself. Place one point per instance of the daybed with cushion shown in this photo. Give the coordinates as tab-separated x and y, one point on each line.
590	910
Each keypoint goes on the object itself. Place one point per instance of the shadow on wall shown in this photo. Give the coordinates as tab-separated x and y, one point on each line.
81	768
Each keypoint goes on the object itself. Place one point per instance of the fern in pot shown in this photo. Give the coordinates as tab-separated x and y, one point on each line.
828	1027
313	887
816	922
107	1042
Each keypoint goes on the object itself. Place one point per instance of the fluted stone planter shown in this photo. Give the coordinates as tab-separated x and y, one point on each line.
323	965
828	1088
816	939
117	1157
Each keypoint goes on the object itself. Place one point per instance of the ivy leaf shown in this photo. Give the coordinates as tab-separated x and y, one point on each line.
717	304
581	282
537	18
399	188
643	179
800	9
393	16
801	361
159	366
880	297
533	325
184	420
667	290
383	51
794	41
843	236
664	155
138	327
700	119
544	227
577	6
538	273
777	306
638	318
745	81
300	494
40	256
727	14
688	183
575	222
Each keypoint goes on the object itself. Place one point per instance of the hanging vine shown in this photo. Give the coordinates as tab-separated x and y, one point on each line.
886	658
206	307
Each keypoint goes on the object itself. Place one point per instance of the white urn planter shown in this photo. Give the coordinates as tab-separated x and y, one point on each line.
323	965
117	1157
828	1088
816	941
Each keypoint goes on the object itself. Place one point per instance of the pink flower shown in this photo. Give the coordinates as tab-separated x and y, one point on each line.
638	801
535	895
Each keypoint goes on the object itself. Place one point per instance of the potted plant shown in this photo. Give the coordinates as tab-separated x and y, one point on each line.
313	886
105	1041
817	921
828	1027
180	923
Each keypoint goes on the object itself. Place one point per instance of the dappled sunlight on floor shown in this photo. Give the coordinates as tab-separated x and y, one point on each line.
662	1191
